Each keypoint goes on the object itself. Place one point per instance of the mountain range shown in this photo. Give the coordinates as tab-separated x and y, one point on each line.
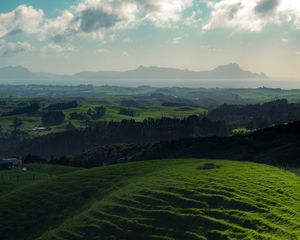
230	71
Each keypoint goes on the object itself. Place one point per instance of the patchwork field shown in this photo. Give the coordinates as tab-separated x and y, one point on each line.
112	112
150	200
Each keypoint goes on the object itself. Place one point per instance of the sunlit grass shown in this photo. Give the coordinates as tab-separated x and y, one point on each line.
169	199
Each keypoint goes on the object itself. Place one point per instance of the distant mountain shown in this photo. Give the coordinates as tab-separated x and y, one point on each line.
230	71
18	72
233	71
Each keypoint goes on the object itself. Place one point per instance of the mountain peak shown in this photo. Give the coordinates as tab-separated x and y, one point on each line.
231	66
15	72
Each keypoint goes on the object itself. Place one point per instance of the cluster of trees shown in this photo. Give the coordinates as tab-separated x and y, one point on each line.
130	103
31	109
257	116
53	118
62	106
127	111
95	114
179	104
279	145
126	131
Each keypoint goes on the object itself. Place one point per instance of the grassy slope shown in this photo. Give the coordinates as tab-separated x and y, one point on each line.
157	200
11	180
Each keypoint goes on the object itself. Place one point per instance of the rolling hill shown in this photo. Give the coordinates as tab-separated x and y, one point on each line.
151	199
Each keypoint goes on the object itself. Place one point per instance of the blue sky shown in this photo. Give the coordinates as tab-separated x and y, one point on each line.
71	36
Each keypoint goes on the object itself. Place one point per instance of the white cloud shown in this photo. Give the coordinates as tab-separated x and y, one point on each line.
164	12
24	19
210	48
60	27
284	40
298	53
102	50
58	49
176	40
93	19
194	20
125	54
90	18
252	15
8	48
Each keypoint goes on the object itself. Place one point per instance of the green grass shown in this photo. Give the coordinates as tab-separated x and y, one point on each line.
241	131
13	179
113	108
168	199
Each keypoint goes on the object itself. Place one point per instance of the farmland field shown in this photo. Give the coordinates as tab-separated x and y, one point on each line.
112	112
149	200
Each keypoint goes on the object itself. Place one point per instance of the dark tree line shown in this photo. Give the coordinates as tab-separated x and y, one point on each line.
53	118
126	131
62	106
127	112
257	116
278	145
92	114
32	108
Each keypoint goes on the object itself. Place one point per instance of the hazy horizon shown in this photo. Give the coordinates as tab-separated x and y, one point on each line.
65	37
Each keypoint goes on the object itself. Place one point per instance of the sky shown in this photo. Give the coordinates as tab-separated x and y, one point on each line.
70	36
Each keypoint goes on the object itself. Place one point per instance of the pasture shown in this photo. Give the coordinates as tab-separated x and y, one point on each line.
149	200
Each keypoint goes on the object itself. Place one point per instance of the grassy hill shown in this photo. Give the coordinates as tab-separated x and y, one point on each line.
11	180
157	200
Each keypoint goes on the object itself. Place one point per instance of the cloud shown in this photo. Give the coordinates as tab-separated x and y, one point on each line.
125	54
266	6
284	40
252	15
59	28
9	48
58	49
24	19
194	20
102	50
165	12
91	18
94	15
298	53
176	40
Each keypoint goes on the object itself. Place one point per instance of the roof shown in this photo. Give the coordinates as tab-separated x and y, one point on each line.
11	159
5	162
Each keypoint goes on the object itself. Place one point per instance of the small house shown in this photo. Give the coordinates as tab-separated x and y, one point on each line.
16	162
39	129
9	163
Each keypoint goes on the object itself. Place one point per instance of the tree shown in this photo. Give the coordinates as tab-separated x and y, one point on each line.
53	118
17	123
1	130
